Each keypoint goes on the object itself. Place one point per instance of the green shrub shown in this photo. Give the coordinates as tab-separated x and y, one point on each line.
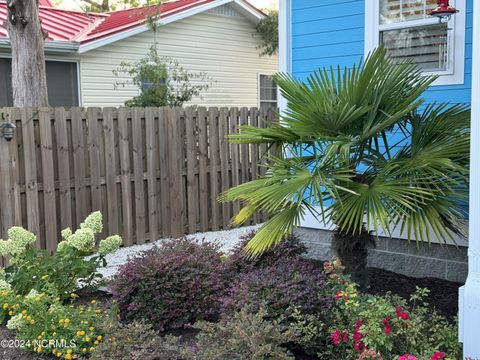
61	273
244	336
45	325
137	341
171	286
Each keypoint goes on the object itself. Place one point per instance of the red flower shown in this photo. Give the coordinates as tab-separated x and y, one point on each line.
336	338
386	325
398	309
438	356
401	314
358	345
345	336
404	315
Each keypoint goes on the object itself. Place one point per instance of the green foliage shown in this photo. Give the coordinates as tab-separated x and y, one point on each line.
47	326
137	341
376	326
61	273
162	81
244	336
338	129
267	30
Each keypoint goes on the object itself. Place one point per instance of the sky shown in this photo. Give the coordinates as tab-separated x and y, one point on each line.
74	4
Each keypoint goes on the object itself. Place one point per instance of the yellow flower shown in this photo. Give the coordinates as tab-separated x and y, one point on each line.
39	337
91	328
5	306
29	318
66	321
99	338
69	351
24	312
84	350
80	333
10	313
45	277
32	322
68	356
43	333
38	298
92	349
96	342
94	302
54	334
87	339
61	321
73	295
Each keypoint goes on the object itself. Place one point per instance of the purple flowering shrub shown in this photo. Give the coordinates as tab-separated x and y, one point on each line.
291	282
171	286
239	261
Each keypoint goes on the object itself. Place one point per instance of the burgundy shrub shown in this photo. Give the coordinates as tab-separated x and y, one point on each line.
171	286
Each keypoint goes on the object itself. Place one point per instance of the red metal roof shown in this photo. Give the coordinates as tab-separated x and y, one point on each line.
82	27
61	25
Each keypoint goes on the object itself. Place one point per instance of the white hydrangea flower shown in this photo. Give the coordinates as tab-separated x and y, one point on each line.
32	295
16	322
4	285
109	245
66	233
20	236
94	221
4	247
83	239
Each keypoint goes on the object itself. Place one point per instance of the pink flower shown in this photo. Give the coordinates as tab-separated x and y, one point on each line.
407	357
345	336
336	338
438	356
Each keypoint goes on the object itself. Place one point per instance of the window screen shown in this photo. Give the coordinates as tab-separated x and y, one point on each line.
268	92
426	43
427	46
62	82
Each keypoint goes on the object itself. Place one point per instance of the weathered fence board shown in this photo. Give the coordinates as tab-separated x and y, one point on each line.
152	172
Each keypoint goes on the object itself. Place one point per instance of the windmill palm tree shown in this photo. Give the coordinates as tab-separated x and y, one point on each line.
362	151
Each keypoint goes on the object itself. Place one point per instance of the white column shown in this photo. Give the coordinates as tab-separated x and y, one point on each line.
284	43
469	329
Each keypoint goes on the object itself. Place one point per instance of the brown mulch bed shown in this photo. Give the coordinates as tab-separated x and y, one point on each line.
443	294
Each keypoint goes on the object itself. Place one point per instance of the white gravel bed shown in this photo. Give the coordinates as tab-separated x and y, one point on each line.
227	239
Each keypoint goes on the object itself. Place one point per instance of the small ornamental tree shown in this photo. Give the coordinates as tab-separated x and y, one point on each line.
162	81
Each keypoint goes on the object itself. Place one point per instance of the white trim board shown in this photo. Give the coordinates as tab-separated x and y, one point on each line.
240	5
285	44
454	76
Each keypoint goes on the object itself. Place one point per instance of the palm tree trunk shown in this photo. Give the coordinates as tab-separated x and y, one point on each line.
352	250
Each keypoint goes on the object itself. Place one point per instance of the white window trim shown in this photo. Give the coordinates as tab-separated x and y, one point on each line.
453	76
259	100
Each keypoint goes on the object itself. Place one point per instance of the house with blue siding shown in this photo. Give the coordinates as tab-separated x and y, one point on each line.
329	33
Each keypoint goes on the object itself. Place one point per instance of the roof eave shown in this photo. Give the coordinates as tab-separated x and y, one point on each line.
64	47
250	12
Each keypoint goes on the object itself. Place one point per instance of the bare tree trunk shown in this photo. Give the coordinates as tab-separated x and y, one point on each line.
29	81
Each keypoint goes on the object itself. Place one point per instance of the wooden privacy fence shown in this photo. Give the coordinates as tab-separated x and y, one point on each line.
152	172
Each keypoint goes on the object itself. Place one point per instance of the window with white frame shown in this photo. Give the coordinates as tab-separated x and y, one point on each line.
267	90
407	32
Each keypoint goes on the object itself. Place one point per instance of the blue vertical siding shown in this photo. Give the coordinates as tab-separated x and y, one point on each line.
331	32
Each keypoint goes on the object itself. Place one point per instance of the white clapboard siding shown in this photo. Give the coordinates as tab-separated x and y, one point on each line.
220	43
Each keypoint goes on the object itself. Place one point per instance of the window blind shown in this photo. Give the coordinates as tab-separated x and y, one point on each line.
393	11
426	46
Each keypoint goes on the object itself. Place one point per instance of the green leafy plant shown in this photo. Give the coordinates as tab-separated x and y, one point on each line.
244	336
267	30
64	271
364	149
137	341
161	80
45	325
